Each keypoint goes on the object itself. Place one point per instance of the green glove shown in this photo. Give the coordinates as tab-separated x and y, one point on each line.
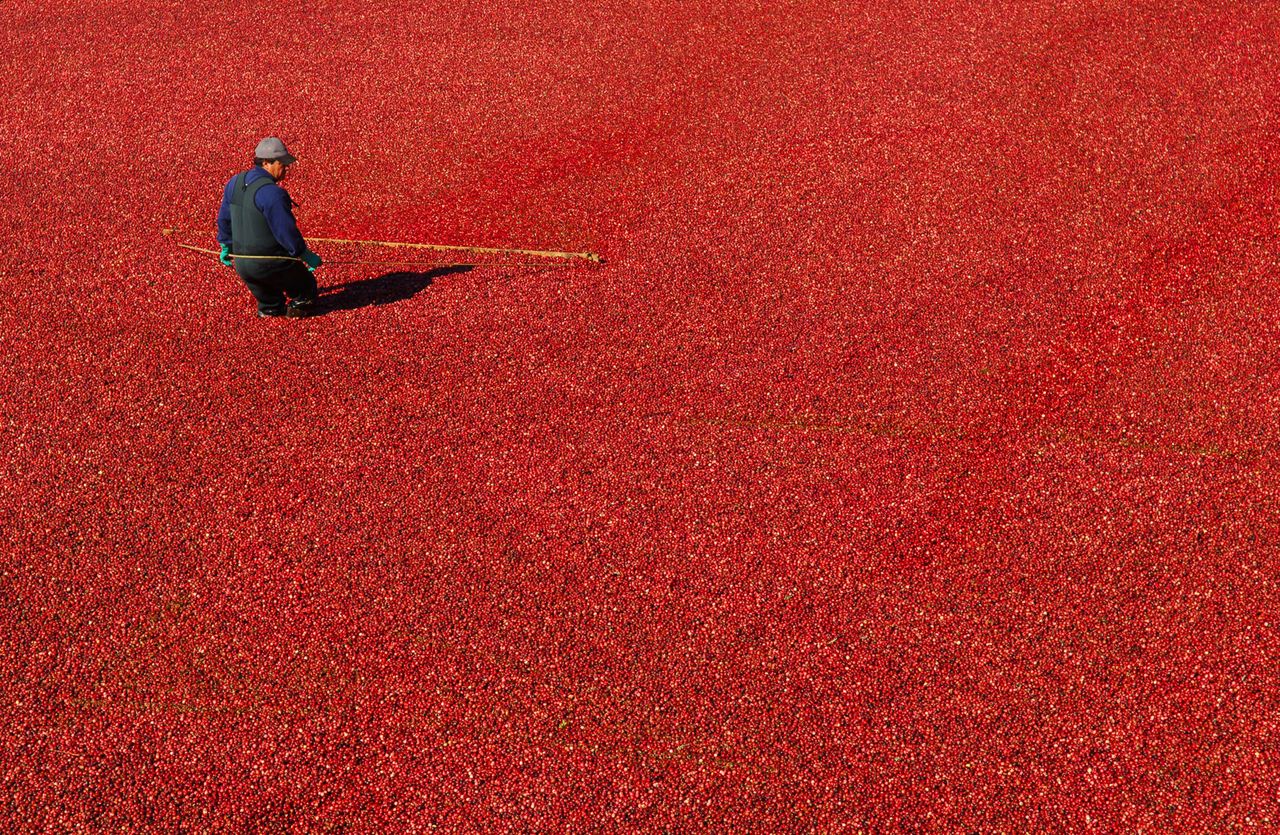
225	256
311	259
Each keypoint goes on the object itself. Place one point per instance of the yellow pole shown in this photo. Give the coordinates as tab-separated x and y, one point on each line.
335	263
541	253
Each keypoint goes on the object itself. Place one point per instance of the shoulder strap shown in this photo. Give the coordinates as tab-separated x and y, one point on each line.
237	189
251	190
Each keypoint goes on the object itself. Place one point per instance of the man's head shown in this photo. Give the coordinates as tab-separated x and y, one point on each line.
273	157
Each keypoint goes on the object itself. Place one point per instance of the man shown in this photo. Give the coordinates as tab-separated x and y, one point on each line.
256	219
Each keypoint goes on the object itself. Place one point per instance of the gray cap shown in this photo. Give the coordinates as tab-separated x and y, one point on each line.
272	148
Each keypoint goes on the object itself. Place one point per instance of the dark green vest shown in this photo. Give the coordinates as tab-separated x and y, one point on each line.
250	234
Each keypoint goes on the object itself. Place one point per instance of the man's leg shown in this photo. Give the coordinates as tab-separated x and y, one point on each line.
298	282
270	299
300	285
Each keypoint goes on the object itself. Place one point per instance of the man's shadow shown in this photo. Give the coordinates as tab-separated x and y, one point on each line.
388	288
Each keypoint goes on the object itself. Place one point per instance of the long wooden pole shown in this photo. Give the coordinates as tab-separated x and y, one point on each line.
487	250
540	253
237	257
332	263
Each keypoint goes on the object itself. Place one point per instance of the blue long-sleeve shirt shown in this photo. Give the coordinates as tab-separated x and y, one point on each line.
274	203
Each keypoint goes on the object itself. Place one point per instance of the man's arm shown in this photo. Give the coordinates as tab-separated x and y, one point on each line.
224	215
274	203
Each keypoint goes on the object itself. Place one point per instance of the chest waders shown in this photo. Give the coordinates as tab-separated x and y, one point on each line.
250	234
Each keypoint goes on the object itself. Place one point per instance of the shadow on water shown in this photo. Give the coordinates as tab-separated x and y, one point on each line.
388	288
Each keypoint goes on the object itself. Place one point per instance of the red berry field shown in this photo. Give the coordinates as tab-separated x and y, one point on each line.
908	464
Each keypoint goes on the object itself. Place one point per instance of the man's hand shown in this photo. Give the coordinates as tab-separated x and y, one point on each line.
311	259
225	256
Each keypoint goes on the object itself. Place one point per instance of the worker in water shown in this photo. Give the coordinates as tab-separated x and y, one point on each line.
256	219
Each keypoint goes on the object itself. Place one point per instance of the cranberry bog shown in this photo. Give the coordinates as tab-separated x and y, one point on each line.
908	464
